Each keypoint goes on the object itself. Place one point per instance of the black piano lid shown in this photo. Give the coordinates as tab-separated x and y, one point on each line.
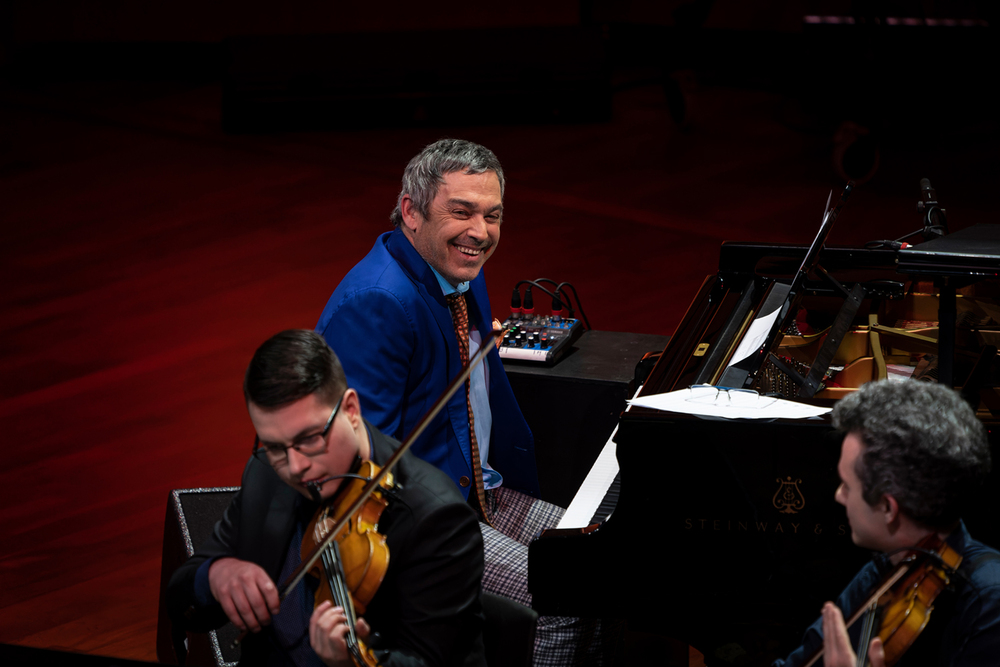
780	260
974	251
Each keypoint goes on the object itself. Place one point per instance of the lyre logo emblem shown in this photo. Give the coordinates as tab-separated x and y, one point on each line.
788	499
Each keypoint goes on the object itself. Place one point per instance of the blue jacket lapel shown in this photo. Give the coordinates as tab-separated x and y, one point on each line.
430	291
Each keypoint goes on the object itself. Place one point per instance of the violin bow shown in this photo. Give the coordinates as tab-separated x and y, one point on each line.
485	348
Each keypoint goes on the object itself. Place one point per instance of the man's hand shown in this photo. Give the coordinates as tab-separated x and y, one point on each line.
837	650
246	593
328	632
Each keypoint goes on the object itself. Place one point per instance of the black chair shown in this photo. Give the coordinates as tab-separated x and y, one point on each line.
509	632
191	516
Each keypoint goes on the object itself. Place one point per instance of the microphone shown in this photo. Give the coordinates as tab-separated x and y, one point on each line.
314	488
935	222
928	197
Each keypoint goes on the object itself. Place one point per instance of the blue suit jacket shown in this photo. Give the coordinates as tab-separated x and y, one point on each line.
391	327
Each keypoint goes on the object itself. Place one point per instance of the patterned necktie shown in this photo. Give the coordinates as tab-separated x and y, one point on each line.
460	318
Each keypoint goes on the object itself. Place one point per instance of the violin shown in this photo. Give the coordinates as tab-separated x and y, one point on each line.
900	607
352	566
351	506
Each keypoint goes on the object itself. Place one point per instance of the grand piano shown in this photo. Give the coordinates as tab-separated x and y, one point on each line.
722	527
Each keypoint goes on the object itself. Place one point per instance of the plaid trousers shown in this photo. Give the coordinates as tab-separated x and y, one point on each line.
559	640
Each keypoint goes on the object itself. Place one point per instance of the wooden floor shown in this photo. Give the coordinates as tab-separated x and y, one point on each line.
145	255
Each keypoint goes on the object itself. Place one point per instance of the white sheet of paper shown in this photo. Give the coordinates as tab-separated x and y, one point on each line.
755	337
742	405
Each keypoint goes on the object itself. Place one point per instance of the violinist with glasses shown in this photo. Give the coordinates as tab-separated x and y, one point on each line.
913	456
422	608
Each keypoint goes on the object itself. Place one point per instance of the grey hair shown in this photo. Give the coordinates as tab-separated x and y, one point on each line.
923	445
426	171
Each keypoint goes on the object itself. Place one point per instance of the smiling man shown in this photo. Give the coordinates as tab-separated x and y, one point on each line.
403	321
310	434
912	457
391	319
461	227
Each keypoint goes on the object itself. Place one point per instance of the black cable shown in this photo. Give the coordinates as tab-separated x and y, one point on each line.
579	304
535	284
558	295
557	298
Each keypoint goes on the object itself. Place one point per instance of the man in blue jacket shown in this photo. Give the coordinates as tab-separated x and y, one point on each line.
403	321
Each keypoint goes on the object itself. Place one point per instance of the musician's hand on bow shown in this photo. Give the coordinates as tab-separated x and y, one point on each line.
837	649
328	633
245	591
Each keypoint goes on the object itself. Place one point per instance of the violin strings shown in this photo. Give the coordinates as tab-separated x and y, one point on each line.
338	587
866	633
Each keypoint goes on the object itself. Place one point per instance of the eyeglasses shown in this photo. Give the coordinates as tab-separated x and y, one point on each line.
719	396
308	445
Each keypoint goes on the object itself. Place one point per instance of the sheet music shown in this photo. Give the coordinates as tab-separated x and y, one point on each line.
755	336
709	401
762	325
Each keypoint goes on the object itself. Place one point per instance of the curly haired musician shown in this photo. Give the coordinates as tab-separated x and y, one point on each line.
912	457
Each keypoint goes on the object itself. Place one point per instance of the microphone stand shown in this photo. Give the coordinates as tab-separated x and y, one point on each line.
936	226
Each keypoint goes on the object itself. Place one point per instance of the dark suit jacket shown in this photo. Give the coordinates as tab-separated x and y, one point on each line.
427	609
391	327
963	631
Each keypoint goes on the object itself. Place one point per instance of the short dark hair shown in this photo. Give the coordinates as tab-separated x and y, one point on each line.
424	173
923	445
292	365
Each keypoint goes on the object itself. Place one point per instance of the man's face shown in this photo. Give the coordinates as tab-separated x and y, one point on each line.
462	227
303	419
868	523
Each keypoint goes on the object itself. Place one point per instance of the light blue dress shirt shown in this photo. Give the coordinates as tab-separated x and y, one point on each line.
479	394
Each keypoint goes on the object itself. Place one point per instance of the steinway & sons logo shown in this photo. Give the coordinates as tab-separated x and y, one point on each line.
788	499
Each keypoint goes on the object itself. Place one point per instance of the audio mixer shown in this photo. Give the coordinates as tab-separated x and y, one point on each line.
542	339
